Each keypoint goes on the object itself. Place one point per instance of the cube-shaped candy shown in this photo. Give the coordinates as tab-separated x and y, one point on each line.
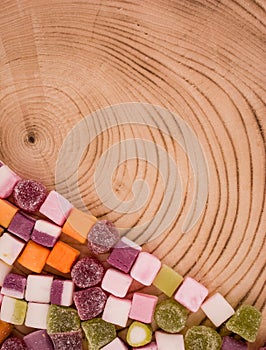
67	340
62	292
14	286
13	310
7	212
124	254
102	237
116	311
2	230
98	333
90	302
45	233
8	180
38	288
166	341
1	298
150	346
116	282
116	344
230	343
56	208
202	338
62	257
78	225
5	330
139	334
4	270
10	248
217	309
191	294
21	226
62	319
145	268
36	316
34	257
38	340
167	280
87	272
142	308
14	343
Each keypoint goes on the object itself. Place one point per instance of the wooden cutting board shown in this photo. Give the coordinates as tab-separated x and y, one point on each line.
196	70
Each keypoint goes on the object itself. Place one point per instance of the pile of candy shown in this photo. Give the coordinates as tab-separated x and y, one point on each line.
93	301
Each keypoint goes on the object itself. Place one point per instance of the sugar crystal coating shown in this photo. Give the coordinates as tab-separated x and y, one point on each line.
29	195
21	226
202	338
90	302
67	340
102	237
230	343
139	334
98	333
87	272
62	319
13	343
14	285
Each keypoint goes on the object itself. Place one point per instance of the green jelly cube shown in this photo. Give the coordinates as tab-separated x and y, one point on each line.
98	333
170	316
245	322
139	334
20	308
202	338
167	280
62	319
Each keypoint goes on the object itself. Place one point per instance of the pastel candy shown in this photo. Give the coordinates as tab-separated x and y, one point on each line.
143	306
62	292
67	340
217	309
116	311
245	322
150	346
4	271
87	272
13	310
98	333
21	226
116	282
167	280
38	340
191	294
45	233
62	257
62	319
10	248
14	286
102	237
167	341
7	212
36	316
34	257
230	343
90	302
115	344
145	268
8	180
202	338
14	343
56	208
38	288
139	334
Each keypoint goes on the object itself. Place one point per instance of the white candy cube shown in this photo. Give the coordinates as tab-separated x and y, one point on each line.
116	282
8	180
4	271
116	311
116	344
10	248
38	288
13	310
37	315
166	341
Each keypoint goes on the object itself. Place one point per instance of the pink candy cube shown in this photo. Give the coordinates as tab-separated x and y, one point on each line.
143	306
145	268
166	341
116	282
116	311
8	180
116	344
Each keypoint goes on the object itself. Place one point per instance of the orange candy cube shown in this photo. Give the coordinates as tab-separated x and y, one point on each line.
7	212
62	257
34	257
5	330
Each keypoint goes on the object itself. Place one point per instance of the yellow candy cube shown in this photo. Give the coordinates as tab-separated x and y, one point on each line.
167	280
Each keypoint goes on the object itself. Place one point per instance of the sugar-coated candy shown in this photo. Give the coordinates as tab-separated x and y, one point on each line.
21	226
87	272
116	311
230	343
143	306
8	180
245	322
62	292
62	257
139	334
38	288
14	286
217	309
34	257
10	248
14	343
116	344
166	341
145	268
38	340
90	302
102	237
191	294
5	330
13	310
124	254
56	208
116	282
167	280
98	333
202	338
36	316
7	212
4	271
45	233
67	340
29	195
62	319
150	346
170	316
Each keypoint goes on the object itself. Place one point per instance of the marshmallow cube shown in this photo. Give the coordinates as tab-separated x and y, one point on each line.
217	309
36	316
191	294
116	311
167	280
21	226
4	271
14	286
13	310
62	292
143	306
151	346
45	233
56	208
115	344
38	288
145	268
166	341
116	282
38	340
10	248
230	343
8	180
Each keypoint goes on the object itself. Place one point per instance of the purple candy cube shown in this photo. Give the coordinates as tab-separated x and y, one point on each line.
62	292
45	233
14	343
21	226
38	340
67	340
230	343
90	302
14	286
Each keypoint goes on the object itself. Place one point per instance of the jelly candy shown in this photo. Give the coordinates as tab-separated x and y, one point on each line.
62	319
98	333
87	272
14	343
102	237
90	302
67	340
202	338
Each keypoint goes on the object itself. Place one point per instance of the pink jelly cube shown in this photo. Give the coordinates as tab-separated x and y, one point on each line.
116	344
8	180
145	268
21	226
116	311
56	208
116	282
142	308
191	294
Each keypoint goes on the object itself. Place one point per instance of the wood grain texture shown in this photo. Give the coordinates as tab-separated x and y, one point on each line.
203	60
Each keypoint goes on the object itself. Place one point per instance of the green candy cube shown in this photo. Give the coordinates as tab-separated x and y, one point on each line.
98	333
167	280
62	319
202	338
139	334
245	322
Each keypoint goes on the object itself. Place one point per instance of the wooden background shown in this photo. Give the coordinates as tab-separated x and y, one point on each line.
61	60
